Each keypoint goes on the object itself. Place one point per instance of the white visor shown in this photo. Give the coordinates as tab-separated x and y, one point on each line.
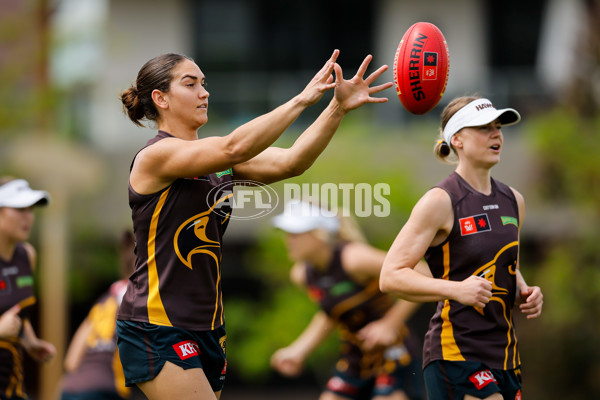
477	113
18	194
300	217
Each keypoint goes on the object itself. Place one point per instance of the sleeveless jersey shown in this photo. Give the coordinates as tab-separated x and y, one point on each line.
16	286
350	304
100	368
178	233
484	242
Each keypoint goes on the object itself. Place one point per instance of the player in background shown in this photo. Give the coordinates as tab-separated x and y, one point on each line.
179	193
467	228
93	369
17	296
378	358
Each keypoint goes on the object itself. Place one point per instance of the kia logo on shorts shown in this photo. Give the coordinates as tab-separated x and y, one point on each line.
250	199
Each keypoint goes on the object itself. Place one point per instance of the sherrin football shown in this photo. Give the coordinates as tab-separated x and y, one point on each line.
420	68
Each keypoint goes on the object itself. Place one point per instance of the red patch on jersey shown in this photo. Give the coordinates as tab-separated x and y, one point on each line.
474	224
518	396
482	378
338	385
186	349
2	284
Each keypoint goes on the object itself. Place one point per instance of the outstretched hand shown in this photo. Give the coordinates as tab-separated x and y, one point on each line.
353	93
321	82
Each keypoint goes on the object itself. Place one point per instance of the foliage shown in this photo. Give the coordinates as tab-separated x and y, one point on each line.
256	330
567	147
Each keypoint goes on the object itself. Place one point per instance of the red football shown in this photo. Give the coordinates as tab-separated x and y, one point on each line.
421	67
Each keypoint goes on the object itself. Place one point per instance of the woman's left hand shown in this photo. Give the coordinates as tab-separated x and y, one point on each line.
377	334
353	93
41	351
532	301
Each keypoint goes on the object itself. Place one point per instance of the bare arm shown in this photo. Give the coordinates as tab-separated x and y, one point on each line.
290	360
38	349
429	224
529	298
275	163
78	346
158	165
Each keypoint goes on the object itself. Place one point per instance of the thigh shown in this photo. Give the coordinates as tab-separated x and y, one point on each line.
495	396
174	382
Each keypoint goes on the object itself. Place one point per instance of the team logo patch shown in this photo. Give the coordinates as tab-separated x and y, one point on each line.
510	220
186	349
430	62
482	378
474	224
223	173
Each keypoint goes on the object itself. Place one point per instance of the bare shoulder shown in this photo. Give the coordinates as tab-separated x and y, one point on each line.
520	202
31	254
362	261
298	274
435	202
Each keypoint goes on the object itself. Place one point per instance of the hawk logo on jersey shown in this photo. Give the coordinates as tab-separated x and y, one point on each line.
191	237
489	271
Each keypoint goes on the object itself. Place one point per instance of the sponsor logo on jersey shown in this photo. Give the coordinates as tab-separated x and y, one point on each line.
474	224
482	378
223	173
430	62
186	349
4	285
510	220
338	385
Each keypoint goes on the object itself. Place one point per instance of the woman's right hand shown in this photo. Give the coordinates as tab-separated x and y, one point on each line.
474	291
287	362
10	322
321	83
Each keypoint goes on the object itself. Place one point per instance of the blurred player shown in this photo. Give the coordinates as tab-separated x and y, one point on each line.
17	263
378	357
92	365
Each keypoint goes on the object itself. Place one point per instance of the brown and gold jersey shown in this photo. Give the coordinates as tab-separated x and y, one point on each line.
178	233
100	368
484	241
351	304
16	286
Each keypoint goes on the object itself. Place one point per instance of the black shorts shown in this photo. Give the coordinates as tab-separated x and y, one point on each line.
144	348
396	373
453	379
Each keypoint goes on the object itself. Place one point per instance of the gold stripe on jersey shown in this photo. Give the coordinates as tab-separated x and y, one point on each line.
156	310
353	301
29	301
450	350
15	386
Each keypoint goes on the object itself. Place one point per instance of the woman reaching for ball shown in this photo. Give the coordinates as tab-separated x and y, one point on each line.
467	228
171	330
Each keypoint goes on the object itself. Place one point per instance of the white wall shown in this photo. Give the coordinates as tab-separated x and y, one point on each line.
137	31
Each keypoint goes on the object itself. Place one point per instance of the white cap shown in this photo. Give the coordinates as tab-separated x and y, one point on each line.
18	194
300	217
477	113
